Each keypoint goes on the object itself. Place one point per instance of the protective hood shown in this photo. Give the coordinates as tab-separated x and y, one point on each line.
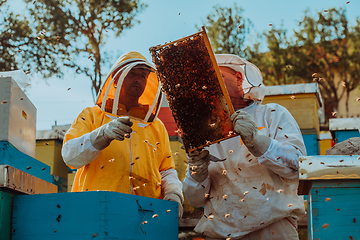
252	84
149	101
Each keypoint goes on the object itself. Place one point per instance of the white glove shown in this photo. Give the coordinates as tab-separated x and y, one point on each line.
176	198
118	129
244	125
198	164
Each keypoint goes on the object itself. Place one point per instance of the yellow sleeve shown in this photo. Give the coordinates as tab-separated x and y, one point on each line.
167	161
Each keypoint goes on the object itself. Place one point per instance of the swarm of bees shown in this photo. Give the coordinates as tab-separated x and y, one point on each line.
193	90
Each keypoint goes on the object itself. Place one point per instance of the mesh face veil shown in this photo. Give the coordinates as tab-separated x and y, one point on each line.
252	85
149	101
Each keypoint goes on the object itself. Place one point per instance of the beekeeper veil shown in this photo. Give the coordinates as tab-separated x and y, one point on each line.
252	86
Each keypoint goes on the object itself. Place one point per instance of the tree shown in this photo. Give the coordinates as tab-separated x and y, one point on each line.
324	50
227	30
75	30
328	48
21	48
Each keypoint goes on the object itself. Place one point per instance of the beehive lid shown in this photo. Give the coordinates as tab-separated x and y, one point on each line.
329	167
344	124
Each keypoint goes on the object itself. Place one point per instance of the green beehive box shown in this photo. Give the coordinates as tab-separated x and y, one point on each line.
6	200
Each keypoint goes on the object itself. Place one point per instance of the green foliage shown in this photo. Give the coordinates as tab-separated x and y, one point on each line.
59	33
325	50
327	47
227	29
79	29
21	48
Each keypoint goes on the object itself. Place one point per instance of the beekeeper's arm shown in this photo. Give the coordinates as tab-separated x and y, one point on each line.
197	182
171	187
80	151
280	152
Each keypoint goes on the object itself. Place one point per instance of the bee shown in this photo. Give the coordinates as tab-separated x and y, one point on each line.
224	171
227	215
168	211
154	216
327	199
290	205
293	97
246	193
279	190
325	225
225	196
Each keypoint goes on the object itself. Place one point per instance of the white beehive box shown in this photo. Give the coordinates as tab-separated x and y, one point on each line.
17	117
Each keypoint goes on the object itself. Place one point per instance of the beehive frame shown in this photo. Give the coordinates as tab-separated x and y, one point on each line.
195	90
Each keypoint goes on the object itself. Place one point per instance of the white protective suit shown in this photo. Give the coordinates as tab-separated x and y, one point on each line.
243	193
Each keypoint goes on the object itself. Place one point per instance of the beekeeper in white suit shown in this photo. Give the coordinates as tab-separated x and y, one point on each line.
253	193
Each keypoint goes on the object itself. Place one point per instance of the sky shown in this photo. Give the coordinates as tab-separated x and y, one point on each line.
61	100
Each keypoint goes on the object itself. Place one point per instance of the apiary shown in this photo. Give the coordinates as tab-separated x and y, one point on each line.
344	128
333	208
17	117
93	215
194	89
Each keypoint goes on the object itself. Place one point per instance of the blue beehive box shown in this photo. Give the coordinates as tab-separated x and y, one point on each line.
333	208
311	144
344	128
93	215
9	155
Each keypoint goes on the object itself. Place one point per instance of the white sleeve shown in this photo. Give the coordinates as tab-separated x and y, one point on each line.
79	152
286	146
170	183
195	191
282	159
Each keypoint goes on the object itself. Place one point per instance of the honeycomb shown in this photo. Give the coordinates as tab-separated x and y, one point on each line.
196	93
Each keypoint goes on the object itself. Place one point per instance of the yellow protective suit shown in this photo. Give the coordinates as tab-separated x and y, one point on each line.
142	164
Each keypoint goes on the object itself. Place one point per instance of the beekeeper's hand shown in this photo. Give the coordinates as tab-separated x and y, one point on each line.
244	125
176	198
118	129
198	164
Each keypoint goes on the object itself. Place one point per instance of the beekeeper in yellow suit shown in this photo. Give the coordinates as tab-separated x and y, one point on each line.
119	144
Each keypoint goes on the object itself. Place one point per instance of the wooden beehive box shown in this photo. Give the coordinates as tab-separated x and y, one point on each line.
194	88
303	101
48	151
344	128
93	215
